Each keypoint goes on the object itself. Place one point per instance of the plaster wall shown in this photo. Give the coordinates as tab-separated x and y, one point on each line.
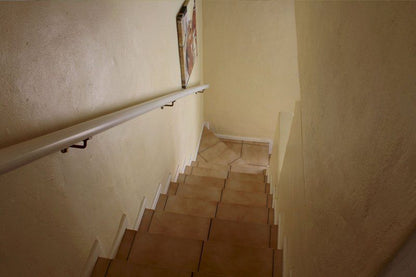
352	204
250	61
62	63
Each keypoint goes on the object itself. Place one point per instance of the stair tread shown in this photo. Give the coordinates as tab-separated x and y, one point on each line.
180	225
242	213
201	180
125	245
241	233
100	268
206	172
191	206
245	186
246	176
120	268
199	192
210	165
220	258
166	252
245	198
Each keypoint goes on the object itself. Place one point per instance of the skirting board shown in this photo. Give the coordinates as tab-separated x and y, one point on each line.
140	214
156	198
95	252
262	140
119	236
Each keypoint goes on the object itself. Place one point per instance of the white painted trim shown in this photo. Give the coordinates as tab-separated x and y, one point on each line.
206	123
95	252
140	214
176	173
156	198
165	190
262	140
119	236
199	141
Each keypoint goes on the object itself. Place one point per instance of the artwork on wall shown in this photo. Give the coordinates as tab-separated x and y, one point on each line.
187	35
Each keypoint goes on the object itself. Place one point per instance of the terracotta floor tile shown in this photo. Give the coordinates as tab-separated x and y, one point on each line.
199	274
274	229
119	268
125	245
191	206
255	154
160	205
242	233
166	252
278	263
205	181
235	260
235	146
179	225
173	187
146	219
217	173
271	216
245	186
244	198
100	268
210	165
252	169
246	177
242	213
208	139
219	153
199	192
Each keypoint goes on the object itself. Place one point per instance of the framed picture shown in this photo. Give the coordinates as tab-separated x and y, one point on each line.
187	39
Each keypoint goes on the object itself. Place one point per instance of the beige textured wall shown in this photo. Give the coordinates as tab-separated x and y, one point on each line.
250	61
61	63
353	203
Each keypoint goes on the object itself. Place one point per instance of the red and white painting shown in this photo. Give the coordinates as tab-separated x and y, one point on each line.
187	39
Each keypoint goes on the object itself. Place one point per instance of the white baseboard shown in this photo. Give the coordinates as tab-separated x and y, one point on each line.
119	236
262	140
140	214
168	180
156	198
95	252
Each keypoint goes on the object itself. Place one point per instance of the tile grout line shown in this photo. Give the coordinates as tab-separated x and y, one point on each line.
200	256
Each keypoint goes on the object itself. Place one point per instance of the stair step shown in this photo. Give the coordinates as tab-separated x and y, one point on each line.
227	259
199	192
120	268
245	198
246	177
100	268
242	213
208	172
210	165
125	245
179	225
278	263
247	186
252	169
241	233
201	274
201	180
189	206
166	252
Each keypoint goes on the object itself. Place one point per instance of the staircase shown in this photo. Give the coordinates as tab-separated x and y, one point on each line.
216	220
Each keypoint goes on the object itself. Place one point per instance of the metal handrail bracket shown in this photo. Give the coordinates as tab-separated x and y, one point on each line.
25	152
